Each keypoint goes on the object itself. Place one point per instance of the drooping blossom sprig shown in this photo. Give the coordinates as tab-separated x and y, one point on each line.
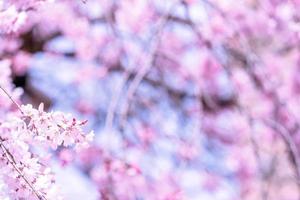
25	137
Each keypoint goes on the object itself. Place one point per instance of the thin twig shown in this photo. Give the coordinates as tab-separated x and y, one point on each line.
10	97
11	160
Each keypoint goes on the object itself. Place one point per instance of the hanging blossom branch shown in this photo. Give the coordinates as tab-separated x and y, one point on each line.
291	146
14	14
147	63
25	174
119	89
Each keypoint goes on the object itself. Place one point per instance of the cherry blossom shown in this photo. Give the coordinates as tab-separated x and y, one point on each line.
187	99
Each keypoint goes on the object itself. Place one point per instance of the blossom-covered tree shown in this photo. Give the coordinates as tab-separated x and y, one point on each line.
189	99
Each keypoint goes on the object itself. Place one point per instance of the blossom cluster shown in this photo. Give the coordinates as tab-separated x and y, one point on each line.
23	138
